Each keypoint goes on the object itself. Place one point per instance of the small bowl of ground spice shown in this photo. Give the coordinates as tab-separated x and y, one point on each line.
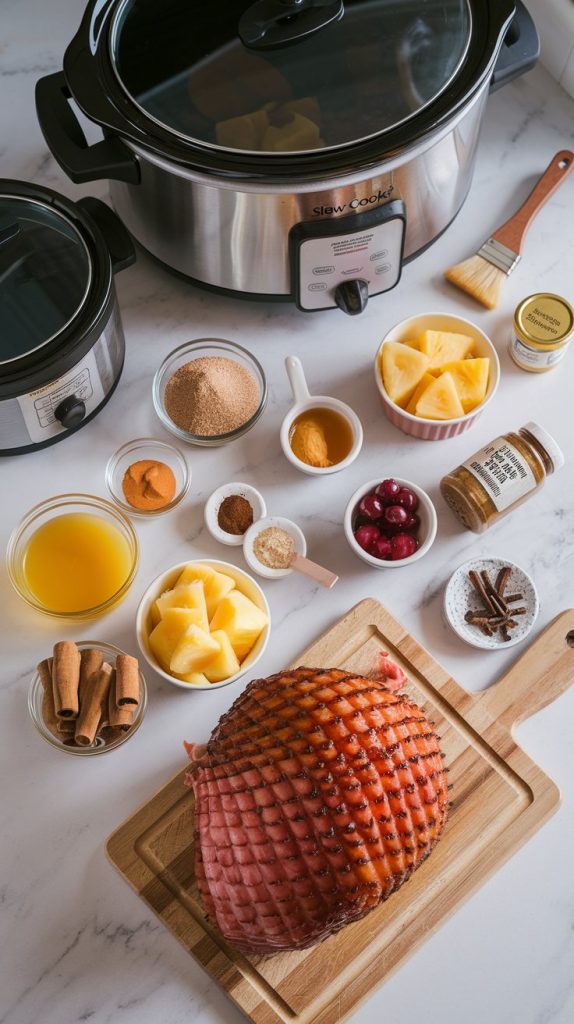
269	546
231	510
146	477
209	391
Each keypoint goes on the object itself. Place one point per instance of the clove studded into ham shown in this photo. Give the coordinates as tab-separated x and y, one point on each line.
317	796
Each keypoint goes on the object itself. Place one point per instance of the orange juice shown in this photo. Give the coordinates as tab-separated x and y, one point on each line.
76	561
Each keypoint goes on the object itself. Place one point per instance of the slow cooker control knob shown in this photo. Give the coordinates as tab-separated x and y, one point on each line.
71	411
352	296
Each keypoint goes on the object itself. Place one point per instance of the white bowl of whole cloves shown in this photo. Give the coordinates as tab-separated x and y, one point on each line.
490	603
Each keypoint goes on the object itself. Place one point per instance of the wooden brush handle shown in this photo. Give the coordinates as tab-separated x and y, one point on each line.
315	572
539	676
513	231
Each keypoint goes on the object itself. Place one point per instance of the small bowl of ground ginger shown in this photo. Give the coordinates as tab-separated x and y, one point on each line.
147	477
209	392
270	544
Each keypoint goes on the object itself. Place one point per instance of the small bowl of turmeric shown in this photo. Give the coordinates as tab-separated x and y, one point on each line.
319	434
147	477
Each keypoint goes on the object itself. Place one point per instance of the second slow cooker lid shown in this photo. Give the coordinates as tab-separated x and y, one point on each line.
184	64
45	275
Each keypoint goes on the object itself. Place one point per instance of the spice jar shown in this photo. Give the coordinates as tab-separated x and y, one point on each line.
542	330
499	477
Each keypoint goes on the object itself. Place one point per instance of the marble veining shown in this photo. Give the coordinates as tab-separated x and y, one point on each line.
76	943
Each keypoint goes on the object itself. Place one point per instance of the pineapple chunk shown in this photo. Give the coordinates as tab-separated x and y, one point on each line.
413	343
217	584
444	347
194	650
440	400
196	571
422	386
185	595
225	663
216	589
402	369
470	380
242	620
166	635
194	678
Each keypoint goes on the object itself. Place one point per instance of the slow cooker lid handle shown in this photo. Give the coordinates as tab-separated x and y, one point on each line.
271	24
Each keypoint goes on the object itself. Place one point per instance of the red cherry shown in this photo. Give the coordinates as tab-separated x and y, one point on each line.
403	545
387	491
370	506
413	522
395	515
382	548
407	499
366	536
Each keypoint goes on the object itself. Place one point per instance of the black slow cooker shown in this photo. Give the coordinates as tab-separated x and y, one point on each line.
61	343
284	149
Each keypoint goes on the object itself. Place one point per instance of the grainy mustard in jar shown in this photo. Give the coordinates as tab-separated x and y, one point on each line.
499	477
542	330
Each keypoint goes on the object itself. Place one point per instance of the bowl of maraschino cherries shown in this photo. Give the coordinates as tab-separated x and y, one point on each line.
390	522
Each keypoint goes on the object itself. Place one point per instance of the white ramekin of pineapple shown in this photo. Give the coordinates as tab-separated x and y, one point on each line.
203	624
436	373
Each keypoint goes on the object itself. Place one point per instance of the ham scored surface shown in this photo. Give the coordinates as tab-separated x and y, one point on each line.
317	796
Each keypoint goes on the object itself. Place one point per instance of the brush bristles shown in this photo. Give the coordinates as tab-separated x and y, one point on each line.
478	278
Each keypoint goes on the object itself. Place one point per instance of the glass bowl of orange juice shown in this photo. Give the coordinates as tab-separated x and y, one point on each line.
73	556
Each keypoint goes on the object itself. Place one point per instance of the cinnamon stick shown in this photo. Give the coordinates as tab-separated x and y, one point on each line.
66	727
118	717
514	597
66	679
44	670
94	707
91	661
127	681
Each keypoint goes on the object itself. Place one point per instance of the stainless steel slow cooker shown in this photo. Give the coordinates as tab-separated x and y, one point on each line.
284	149
61	339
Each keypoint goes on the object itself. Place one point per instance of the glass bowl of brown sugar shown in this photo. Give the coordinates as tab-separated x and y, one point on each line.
209	391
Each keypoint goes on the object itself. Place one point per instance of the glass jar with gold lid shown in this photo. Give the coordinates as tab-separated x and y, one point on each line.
542	330
499	477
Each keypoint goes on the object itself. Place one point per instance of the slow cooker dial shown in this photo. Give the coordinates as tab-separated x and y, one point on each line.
70	412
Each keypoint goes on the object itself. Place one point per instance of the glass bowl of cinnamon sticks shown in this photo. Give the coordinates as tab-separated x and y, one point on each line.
88	697
490	603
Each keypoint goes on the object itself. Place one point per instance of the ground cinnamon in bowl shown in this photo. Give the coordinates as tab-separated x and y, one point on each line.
235	514
212	395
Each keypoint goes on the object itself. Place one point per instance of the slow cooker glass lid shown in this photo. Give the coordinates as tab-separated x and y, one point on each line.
184	65
45	275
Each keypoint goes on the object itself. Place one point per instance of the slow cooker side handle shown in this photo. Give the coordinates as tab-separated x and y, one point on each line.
519	51
116	236
109	158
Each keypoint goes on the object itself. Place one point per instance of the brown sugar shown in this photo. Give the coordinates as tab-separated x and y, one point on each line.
211	395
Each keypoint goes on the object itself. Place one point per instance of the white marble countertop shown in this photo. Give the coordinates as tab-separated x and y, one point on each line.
78	944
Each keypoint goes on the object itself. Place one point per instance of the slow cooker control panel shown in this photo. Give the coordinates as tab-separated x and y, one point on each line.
342	262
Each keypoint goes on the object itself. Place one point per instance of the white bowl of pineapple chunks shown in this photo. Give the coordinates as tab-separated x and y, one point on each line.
203	624
436	373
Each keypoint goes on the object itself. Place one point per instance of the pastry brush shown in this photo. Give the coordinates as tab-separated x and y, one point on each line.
482	276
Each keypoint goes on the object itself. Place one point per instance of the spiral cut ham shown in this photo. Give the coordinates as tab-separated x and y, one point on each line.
317	796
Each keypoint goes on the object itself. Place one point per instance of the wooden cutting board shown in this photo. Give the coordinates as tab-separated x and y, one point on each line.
500	798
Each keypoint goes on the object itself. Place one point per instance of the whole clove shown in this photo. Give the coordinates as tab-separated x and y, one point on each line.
495	615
